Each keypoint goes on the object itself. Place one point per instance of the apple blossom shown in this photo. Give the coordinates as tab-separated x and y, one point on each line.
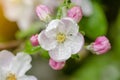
100	46
14	67
75	13
34	40
43	12
61	38
56	65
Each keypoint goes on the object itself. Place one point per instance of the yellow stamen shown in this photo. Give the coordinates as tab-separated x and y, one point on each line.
61	37
11	77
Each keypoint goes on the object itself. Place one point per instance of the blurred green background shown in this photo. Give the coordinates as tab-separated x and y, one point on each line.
104	21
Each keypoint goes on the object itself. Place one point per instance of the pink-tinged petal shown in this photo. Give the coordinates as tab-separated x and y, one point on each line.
45	42
27	78
21	64
43	12
75	13
103	49
71	27
6	58
56	65
34	40
100	39
75	43
60	53
101	45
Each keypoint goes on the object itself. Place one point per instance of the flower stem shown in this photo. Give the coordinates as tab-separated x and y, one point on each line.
67	3
64	6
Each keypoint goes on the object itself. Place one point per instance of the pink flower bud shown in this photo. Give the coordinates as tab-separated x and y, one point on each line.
75	13
56	65
43	12
101	45
34	40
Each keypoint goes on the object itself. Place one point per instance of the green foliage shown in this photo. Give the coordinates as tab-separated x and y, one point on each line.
30	49
34	28
75	56
34	50
116	34
96	24
98	68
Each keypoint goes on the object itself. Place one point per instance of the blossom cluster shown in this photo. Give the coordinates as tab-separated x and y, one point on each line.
61	37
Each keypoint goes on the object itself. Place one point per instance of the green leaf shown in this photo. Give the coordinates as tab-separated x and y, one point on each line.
96	24
114	34
33	50
34	28
75	56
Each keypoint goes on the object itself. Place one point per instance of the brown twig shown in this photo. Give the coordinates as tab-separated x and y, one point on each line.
9	45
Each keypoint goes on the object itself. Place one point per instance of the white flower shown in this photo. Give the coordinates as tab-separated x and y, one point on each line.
20	11
14	67
86	6
61	38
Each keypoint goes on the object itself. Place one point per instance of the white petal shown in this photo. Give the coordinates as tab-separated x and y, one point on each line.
12	13
45	42
21	64
27	78
51	30
87	8
60	53
6	58
76	43
20	12
2	75
26	18
71	26
54	27
28	2
76	2
52	4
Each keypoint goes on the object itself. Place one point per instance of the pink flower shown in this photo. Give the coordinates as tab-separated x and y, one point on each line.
101	45
75	13
34	40
56	65
43	12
